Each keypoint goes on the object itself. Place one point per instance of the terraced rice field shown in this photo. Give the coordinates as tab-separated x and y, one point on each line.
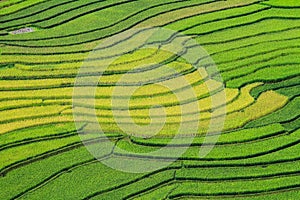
255	45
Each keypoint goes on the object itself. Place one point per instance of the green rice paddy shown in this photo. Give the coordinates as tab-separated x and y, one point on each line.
255	45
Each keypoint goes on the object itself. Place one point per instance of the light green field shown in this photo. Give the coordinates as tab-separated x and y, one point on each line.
253	94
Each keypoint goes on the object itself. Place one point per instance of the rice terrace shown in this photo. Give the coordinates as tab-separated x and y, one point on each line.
149	99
